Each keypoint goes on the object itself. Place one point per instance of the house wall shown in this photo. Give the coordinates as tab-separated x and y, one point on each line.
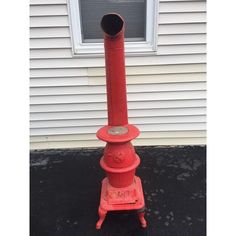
166	92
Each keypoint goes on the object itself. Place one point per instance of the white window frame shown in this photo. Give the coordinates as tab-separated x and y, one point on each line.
146	47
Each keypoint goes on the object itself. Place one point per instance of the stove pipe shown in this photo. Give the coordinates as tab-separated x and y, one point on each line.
113	27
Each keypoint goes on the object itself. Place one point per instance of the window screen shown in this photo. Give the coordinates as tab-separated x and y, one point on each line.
133	12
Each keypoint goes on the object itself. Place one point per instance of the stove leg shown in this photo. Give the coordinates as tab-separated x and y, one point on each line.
102	214
142	220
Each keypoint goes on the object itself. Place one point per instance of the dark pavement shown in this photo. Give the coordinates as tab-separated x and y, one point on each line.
65	192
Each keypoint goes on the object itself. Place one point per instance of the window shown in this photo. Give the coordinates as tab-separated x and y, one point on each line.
140	25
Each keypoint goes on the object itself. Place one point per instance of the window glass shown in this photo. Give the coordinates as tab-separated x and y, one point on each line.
133	12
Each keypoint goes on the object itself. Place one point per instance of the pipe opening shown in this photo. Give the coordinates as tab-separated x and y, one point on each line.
112	24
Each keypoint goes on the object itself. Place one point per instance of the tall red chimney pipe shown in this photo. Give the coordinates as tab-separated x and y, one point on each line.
121	189
113	27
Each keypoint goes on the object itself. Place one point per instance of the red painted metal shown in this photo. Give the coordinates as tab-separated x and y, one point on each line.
121	189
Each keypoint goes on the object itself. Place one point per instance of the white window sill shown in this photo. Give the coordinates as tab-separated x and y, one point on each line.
131	49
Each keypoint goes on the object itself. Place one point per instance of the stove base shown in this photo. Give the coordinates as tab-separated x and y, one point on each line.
118	199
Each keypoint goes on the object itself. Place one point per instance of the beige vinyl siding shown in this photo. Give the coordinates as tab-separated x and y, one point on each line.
166	92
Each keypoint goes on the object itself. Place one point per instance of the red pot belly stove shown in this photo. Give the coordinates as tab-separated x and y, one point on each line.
121	189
